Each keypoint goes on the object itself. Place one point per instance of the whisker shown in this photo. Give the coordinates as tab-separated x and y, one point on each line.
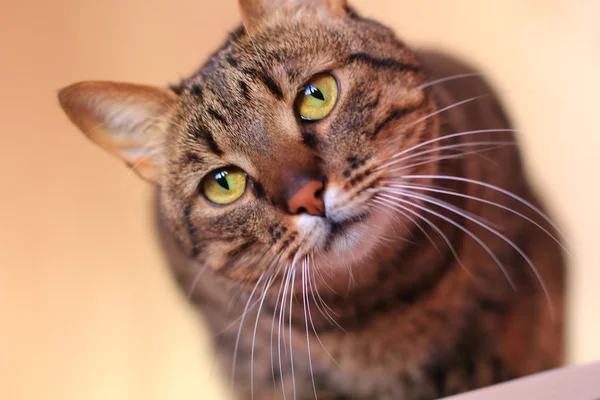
496	188
232	322
312	323
264	295
325	307
438	159
464	153
275	308
434	227
225	328
448	147
351	280
411	219
384	203
305	304
324	281
492	203
449	78
470	214
446	137
201	270
465	230
293	273
288	273
239	334
492	230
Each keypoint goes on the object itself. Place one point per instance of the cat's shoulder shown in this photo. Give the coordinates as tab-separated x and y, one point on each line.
441	65
454	80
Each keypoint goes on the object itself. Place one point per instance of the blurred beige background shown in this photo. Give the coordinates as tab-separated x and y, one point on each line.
87	307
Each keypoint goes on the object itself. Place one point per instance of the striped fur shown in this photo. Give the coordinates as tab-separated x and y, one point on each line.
382	298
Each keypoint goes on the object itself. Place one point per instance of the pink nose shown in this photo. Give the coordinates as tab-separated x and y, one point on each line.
308	199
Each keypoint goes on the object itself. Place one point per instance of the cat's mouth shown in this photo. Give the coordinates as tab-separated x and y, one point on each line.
330	236
337	245
341	227
349	232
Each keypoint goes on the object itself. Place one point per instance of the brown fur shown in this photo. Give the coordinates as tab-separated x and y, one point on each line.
414	317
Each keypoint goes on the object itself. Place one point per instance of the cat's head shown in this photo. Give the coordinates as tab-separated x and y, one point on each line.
270	153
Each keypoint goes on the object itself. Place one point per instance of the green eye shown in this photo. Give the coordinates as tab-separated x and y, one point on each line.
224	186
318	98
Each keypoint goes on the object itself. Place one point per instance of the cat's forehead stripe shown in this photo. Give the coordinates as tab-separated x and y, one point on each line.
266	78
271	85
196	90
245	91
208	139
217	116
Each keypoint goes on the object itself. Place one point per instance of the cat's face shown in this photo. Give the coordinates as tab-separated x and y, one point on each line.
269	155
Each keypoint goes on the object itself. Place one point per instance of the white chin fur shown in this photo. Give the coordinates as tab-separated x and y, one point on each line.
313	232
347	248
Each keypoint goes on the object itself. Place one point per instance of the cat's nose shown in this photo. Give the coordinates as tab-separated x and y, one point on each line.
308	199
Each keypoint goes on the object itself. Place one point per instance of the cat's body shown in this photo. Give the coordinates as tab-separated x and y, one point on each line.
395	296
449	334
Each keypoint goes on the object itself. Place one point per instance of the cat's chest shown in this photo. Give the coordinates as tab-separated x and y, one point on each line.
372	363
399	356
385	360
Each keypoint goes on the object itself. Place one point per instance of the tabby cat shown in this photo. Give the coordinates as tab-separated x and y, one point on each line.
350	216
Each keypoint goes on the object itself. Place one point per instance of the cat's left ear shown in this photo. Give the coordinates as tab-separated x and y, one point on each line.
127	120
255	12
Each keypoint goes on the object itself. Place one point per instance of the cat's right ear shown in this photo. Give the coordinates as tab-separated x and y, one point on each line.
255	12
128	120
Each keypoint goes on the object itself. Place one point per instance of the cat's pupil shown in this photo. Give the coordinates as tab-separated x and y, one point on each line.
221	179
314	92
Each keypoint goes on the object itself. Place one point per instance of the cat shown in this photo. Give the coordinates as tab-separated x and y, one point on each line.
350	216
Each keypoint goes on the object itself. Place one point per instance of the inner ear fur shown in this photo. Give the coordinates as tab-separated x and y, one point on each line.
128	120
